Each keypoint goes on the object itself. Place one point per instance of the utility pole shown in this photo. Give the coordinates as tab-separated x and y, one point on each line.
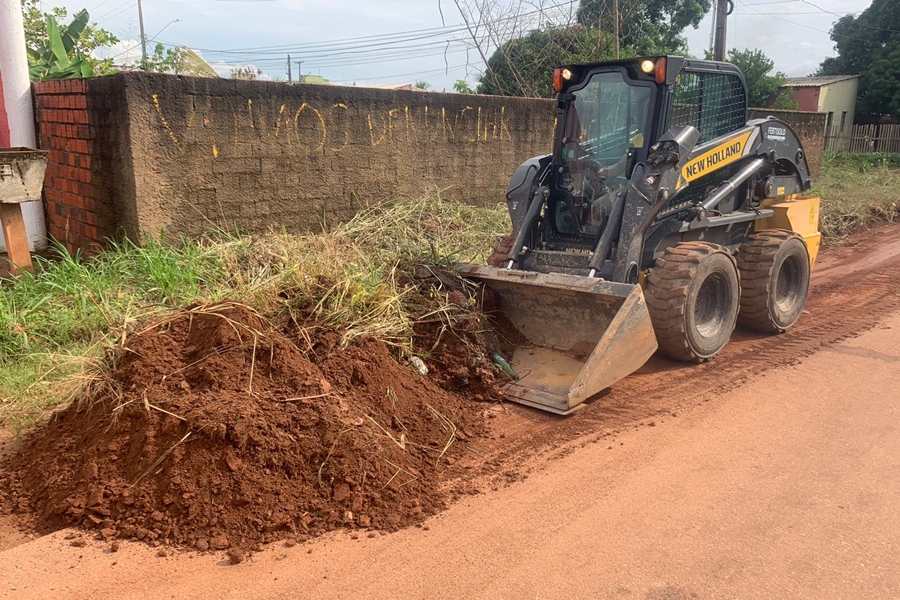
723	9
289	68
143	37
299	72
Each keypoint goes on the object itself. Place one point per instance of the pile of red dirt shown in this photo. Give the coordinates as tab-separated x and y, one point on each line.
217	430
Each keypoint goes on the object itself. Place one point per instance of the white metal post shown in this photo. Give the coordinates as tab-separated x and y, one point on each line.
19	108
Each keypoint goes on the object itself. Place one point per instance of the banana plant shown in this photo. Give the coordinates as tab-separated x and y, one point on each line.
57	58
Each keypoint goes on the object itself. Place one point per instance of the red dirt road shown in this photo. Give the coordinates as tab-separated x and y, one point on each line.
778	478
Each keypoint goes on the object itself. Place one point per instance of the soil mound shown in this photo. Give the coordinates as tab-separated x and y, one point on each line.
217	431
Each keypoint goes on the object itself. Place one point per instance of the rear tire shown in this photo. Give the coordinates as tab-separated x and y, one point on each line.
774	267
693	294
500	256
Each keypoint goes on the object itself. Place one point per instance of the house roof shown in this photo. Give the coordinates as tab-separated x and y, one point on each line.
816	81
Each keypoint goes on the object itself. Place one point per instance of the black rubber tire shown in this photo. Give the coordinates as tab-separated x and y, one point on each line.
774	268
500	255
693	295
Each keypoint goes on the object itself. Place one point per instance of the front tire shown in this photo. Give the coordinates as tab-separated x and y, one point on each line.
693	295
774	267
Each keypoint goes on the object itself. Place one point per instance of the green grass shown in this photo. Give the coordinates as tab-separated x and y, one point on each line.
857	191
60	322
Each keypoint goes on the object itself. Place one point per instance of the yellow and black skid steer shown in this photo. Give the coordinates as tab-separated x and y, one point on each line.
661	218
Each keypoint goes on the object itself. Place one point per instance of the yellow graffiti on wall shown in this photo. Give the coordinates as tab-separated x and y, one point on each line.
165	123
336	127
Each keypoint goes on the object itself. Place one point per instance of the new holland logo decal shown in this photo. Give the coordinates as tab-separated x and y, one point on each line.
717	157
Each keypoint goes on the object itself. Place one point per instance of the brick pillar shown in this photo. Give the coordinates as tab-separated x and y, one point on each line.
69	190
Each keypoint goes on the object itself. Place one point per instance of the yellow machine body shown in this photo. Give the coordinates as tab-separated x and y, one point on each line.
799	214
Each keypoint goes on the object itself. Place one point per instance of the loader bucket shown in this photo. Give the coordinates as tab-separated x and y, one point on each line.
584	334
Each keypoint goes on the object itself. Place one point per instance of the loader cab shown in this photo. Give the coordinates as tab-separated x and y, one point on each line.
609	115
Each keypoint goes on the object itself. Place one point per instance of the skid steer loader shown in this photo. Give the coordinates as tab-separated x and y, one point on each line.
661	218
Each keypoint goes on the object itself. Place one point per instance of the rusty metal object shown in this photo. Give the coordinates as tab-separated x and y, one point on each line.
584	333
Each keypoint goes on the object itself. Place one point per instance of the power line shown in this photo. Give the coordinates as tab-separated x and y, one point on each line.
104	16
780	13
411	35
831	33
99	5
855	23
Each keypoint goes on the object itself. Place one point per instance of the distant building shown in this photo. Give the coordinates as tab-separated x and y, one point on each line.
834	95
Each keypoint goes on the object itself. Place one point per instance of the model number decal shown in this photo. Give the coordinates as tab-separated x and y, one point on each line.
776	133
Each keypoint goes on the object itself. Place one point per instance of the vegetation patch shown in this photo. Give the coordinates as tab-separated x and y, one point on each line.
858	191
354	278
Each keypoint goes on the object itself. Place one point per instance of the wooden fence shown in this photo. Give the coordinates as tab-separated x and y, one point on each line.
866	138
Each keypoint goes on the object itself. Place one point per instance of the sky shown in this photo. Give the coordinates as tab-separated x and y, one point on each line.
403	41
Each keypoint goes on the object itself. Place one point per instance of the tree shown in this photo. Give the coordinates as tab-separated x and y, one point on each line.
57	58
647	26
462	87
164	60
868	45
524	66
756	67
785	100
90	37
531	38
422	85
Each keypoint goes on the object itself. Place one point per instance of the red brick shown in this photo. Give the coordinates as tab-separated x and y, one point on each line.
84	162
79	101
79	116
56	219
91	217
81	146
90	232
78	86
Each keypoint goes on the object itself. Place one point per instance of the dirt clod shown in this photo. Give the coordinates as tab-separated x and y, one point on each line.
235	555
220	542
